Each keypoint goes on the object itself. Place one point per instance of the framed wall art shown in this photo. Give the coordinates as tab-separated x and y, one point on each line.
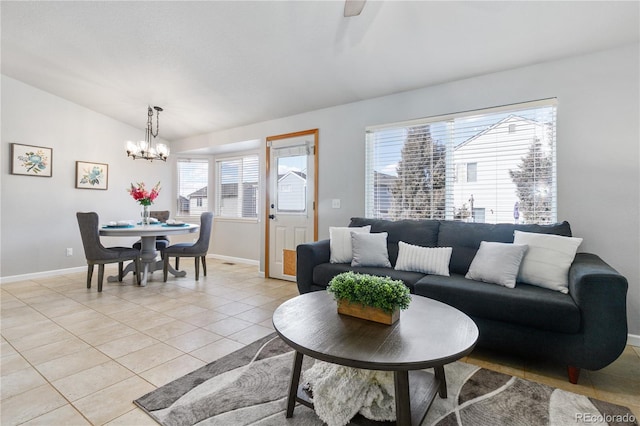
29	160
92	175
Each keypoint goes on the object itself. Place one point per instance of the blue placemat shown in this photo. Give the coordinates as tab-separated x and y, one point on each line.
174	225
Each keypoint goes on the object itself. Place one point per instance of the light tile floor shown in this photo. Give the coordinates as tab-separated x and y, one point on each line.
72	356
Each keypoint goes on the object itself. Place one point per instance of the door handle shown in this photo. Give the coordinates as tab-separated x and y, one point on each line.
272	216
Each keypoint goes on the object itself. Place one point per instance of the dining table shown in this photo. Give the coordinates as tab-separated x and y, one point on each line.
148	252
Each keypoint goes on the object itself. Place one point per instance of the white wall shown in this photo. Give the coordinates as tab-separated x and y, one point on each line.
598	138
38	219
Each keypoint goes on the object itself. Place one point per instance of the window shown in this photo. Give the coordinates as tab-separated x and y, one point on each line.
472	172
193	181
237	187
470	166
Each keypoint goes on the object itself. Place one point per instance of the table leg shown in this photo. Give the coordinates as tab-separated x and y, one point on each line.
439	372
171	270
154	266
131	267
403	401
293	386
148	256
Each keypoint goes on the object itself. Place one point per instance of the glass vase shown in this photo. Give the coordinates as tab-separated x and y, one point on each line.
146	215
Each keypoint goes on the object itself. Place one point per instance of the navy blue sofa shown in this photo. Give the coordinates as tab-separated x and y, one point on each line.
586	328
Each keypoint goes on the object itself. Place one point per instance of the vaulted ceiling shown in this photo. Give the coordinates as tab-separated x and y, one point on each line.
214	65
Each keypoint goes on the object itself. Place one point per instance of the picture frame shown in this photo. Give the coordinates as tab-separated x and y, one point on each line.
91	175
31	160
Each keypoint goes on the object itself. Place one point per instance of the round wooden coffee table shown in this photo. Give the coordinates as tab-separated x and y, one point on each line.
429	334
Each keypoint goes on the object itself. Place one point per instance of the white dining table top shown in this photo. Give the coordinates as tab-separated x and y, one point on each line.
146	230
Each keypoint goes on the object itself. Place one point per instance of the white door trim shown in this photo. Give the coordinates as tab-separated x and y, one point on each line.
268	171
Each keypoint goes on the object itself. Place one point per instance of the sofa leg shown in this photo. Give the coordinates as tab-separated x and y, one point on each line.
574	373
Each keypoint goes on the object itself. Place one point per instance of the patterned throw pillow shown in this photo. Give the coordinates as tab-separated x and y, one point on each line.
428	260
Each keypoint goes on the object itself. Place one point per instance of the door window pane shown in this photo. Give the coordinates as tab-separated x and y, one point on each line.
292	184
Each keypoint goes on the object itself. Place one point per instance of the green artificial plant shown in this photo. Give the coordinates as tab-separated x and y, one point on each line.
370	290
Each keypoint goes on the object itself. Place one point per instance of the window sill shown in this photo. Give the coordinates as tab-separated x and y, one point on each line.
235	219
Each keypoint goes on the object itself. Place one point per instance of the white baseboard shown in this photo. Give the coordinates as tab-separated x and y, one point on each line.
235	259
58	272
43	274
633	340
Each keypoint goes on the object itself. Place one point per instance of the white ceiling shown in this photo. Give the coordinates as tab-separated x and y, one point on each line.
214	65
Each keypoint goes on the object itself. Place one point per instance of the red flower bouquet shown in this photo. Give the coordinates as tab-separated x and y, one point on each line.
142	196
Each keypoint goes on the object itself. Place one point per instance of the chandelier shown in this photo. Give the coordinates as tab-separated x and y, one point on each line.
148	149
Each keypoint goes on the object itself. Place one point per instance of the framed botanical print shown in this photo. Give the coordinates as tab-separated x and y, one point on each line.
31	160
92	175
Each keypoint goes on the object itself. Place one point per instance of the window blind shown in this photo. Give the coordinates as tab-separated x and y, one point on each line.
496	165
237	187
193	181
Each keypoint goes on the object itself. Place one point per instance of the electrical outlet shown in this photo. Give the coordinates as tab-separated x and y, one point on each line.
335	203
69	252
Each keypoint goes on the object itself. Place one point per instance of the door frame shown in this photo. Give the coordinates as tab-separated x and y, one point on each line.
268	194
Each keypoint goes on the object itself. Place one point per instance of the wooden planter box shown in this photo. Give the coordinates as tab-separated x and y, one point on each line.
367	312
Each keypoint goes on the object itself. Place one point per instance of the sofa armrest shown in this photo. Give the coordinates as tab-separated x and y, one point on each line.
309	255
601	294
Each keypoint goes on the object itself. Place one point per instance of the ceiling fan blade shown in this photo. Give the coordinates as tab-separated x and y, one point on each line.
353	7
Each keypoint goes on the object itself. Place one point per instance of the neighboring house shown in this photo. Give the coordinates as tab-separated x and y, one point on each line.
229	200
475	166
292	192
183	205
198	201
382	199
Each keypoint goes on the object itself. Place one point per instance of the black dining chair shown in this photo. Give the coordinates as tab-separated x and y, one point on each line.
97	254
162	241
197	250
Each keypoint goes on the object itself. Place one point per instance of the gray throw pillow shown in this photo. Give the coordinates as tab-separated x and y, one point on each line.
497	263
370	249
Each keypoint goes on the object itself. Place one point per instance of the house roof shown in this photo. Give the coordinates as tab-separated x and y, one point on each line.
301	175
202	192
510	117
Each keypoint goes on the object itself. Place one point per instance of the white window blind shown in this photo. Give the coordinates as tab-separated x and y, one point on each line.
237	187
193	181
496	165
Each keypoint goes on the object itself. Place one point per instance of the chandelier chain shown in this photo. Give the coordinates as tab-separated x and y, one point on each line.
150	121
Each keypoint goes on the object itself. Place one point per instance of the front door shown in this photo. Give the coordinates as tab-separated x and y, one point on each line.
291	199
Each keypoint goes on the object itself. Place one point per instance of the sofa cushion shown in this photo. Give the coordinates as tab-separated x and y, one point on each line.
465	238
417	232
324	272
525	304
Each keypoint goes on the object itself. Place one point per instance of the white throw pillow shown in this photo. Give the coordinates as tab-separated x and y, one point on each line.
340	243
548	259
497	263
428	260
370	249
